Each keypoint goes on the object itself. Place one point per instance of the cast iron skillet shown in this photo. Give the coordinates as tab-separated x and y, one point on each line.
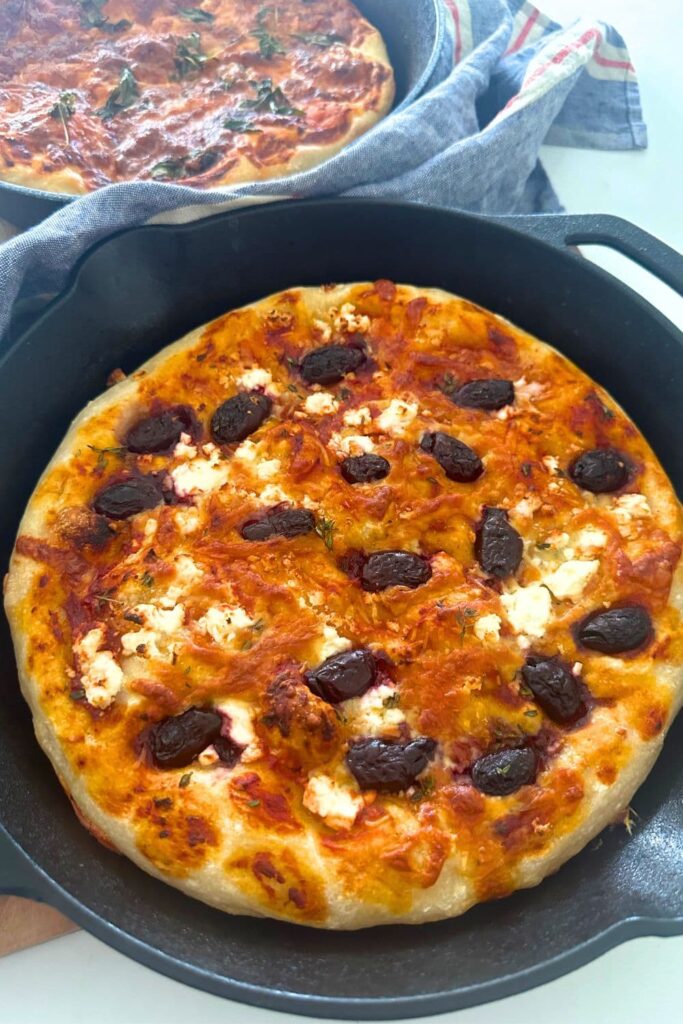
146	287
413	56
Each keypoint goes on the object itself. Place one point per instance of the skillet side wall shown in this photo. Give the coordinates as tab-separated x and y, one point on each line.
145	288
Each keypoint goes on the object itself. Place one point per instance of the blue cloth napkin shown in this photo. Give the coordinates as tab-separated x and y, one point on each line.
507	80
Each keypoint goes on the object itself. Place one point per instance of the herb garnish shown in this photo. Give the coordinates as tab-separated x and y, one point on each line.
531	713
270	98
321	39
240	125
325	529
63	110
120	98
92	17
103	452
185	166
463	618
189	56
197	15
163	801
147	579
185	780
269	45
77	694
392	701
253	803
424	789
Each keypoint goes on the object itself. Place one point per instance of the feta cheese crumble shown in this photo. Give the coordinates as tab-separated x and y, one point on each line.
222	623
101	677
331	643
199	475
321	403
528	609
332	802
487	628
358	417
397	416
348	321
373	713
570	578
258	378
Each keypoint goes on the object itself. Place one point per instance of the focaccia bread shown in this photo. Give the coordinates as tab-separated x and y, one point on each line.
224	91
357	605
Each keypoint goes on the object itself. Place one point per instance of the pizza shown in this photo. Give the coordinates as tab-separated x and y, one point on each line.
224	91
357	605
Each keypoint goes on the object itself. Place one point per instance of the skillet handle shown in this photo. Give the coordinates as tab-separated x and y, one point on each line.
563	230
17	876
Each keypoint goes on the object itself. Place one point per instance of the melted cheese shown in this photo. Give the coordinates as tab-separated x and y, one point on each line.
570	578
321	403
397	416
222	623
528	609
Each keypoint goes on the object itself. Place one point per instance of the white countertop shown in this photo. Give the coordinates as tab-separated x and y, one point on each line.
77	979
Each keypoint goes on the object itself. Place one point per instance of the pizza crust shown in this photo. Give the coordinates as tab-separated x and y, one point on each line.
337	904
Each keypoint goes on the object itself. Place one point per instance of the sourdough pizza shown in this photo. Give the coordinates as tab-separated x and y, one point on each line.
357	605
213	93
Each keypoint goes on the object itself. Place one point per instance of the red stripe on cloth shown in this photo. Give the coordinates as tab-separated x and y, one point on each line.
605	62
526	29
561	55
455	13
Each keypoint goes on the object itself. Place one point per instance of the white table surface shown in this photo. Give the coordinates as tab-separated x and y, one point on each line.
77	979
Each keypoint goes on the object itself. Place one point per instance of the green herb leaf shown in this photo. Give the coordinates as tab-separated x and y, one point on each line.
64	108
103	452
239	125
197	15
189	56
92	17
543	545
120	98
271	99
325	529
424	789
185	780
392	701
253	803
185	167
526	469
77	694
531	713
269	45
163	801
146	579
321	39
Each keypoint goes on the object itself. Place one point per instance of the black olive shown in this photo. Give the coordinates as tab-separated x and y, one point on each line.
160	432
176	741
393	569
458	461
360	469
280	521
601	470
240	416
614	630
344	675
389	767
329	364
555	689
228	751
505	771
497	545
128	497
483	394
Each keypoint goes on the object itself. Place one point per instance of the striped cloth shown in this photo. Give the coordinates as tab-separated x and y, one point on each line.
507	80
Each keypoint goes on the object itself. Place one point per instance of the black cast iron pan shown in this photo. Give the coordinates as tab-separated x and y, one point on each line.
144	288
413	55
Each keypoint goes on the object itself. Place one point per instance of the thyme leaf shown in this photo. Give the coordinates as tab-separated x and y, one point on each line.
93	17
189	55
185	780
188	166
63	110
271	99
239	125
321	39
424	789
120	98
269	45
103	452
325	529
197	15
